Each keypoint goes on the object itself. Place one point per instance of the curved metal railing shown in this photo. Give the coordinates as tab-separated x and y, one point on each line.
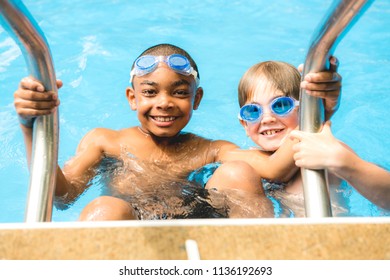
16	19
336	23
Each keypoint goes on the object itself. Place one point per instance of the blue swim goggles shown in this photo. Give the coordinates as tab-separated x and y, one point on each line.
177	62
280	106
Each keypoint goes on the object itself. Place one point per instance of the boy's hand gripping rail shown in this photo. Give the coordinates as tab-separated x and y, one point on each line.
338	20
20	24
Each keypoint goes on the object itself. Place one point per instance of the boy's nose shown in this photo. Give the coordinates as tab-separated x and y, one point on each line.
164	101
268	117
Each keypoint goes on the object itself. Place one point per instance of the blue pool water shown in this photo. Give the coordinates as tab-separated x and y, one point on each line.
93	44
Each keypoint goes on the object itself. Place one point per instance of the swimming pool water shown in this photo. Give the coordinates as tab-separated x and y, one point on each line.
93	44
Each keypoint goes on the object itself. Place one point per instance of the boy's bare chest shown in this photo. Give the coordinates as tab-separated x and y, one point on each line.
188	154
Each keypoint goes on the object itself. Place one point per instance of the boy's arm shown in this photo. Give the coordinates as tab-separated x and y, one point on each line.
30	101
372	181
323	151
278	166
79	170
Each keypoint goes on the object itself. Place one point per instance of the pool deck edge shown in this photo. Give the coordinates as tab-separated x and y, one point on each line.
222	239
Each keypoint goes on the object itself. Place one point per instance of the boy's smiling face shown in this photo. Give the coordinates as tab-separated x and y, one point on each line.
164	101
270	131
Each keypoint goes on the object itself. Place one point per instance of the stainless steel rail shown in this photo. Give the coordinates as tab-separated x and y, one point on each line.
17	20
336	23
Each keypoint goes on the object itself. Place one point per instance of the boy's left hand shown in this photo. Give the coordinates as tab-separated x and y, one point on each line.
326	85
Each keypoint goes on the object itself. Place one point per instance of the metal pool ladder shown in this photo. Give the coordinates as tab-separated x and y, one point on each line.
337	21
17	20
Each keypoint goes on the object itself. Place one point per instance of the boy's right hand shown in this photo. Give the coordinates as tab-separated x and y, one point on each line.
31	100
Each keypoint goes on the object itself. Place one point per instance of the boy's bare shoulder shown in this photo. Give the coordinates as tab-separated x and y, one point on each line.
101	133
106	139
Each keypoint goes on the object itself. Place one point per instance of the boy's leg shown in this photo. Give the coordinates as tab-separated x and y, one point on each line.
242	185
107	208
236	175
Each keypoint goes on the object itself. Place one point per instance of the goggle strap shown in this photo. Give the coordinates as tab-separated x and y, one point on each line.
132	74
195	75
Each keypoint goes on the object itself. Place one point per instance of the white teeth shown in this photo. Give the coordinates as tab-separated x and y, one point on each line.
164	119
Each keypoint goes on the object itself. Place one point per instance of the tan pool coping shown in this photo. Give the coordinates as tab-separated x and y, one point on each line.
217	239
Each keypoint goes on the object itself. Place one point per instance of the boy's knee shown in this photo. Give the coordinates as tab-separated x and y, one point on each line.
107	208
236	175
237	170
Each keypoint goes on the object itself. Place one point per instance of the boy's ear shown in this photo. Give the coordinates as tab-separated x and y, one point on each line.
131	98
198	97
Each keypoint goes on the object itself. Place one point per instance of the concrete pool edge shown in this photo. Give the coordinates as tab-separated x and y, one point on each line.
222	239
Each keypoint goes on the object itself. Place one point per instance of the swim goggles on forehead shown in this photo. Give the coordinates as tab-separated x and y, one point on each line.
177	62
280	106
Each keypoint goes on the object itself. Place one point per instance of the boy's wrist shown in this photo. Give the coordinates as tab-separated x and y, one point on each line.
27	122
342	161
330	112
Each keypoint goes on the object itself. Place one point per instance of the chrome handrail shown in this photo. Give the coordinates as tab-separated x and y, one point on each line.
337	21
19	23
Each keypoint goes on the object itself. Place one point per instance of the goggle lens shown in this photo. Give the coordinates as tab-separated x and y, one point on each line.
282	106
251	112
146	63
179	63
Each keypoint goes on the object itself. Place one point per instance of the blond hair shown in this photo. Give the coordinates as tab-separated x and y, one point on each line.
280	75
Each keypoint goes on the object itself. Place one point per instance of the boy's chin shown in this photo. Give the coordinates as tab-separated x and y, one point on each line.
166	134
